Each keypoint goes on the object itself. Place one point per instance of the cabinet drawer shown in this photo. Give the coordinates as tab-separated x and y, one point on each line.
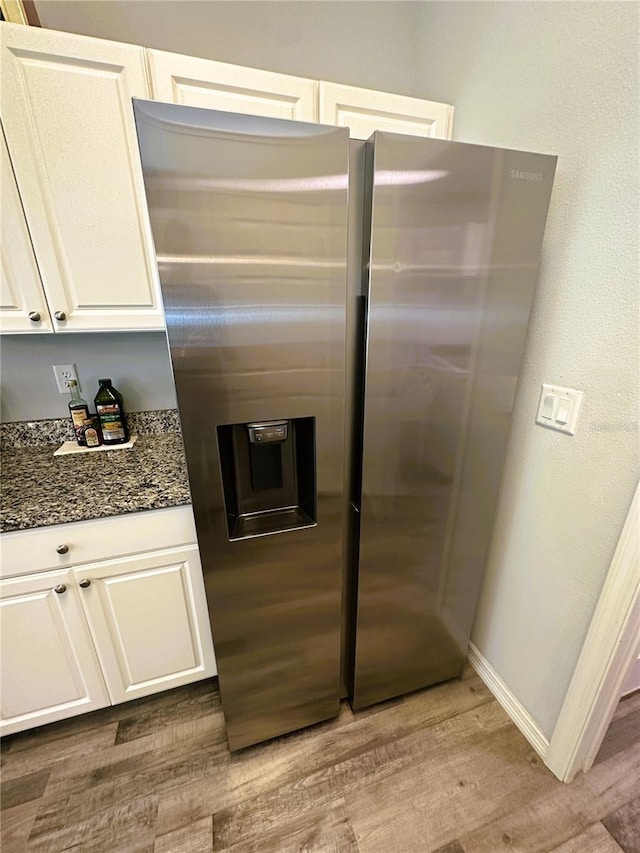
27	551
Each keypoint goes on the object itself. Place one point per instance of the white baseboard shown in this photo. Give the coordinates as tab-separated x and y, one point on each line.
516	711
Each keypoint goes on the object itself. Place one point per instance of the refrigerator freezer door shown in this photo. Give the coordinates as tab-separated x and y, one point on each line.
456	232
249	218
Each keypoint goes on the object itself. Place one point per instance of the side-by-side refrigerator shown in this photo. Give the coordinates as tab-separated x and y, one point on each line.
346	323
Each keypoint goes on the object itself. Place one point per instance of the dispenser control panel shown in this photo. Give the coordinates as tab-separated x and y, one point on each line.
268	432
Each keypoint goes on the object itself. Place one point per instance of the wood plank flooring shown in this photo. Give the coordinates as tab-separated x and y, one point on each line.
440	770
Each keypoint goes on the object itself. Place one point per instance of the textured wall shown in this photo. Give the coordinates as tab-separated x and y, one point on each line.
138	363
370	44
559	78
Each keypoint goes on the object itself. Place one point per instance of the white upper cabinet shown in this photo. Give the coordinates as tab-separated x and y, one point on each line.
363	111
197	82
77	245
66	110
22	303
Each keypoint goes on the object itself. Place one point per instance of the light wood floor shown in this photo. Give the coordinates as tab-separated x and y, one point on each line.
442	769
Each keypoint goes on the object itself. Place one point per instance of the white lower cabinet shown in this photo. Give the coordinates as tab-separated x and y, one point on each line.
148	619
49	666
89	634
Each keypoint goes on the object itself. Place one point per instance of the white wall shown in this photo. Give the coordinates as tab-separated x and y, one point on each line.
560	78
138	364
370	44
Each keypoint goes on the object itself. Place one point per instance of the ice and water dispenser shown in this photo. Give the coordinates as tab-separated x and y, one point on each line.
268	475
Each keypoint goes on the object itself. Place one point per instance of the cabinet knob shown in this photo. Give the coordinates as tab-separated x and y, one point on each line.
60	315
60	588
34	316
85	583
62	549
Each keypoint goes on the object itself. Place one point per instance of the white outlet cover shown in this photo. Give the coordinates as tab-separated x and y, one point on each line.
558	408
63	373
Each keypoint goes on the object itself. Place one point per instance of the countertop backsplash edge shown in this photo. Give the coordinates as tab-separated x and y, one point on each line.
57	430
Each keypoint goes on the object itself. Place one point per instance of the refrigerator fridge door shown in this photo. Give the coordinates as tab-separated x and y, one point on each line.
456	232
249	218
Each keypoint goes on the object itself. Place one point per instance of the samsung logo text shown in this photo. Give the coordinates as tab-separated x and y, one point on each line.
526	176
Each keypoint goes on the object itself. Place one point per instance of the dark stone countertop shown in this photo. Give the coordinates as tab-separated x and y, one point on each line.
39	489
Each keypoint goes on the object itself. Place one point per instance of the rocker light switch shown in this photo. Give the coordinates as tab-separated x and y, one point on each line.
548	405
558	408
564	410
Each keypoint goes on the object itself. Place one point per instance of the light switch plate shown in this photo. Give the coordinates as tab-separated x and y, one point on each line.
558	408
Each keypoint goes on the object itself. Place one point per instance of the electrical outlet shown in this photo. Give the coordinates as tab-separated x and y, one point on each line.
63	373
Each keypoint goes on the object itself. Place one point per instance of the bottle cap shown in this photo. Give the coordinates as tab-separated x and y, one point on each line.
71	382
104	381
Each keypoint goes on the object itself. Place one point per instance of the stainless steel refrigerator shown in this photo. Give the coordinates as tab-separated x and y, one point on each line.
346	323
452	253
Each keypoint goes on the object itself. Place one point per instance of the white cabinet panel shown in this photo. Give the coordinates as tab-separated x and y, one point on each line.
98	539
363	111
49	667
21	293
149	621
198	82
140	625
66	111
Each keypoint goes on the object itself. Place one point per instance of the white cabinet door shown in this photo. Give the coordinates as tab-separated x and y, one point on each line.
178	79
23	307
66	109
49	667
363	111
149	621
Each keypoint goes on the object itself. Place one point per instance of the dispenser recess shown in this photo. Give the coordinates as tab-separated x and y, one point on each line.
268	476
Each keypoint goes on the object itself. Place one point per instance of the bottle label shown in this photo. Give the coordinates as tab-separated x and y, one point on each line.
91	437
111	422
78	417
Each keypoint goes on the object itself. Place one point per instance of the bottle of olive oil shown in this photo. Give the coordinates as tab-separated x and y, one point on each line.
110	411
79	411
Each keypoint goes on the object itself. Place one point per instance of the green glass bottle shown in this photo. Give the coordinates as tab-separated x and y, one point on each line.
110	411
79	411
